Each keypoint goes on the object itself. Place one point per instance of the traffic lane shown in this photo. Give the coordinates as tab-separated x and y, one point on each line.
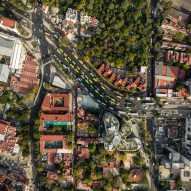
71	58
90	80
90	88
99	88
71	54
89	73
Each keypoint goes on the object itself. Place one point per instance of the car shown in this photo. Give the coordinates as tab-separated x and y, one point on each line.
79	79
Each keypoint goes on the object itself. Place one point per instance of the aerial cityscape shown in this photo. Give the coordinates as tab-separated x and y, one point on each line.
95	95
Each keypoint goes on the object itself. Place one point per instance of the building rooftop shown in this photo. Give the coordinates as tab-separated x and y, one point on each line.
87	141
111	167
4	72
52	143
47	120
8	22
6	46
8	139
136	175
57	102
83	153
28	78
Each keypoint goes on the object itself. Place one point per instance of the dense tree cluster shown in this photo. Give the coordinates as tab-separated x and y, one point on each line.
19	4
123	34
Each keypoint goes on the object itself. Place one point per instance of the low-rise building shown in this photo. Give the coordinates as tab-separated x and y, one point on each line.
28	78
57	102
45	8
12	48
8	139
173	26
166	78
7	23
49	120
178	57
111	168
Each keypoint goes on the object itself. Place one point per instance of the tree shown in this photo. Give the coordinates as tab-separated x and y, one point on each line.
47	86
78	172
179	36
92	148
179	87
86	58
166	5
178	183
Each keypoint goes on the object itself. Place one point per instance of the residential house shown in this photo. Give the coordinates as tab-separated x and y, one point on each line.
111	168
87	141
52	175
125	80
118	82
71	15
45	8
136	175
166	78
101	68
107	73
8	139
170	25
178	57
83	153
7	23
113	77
28	78
175	46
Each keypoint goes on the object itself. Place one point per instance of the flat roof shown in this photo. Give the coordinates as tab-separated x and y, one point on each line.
15	59
6	46
4	72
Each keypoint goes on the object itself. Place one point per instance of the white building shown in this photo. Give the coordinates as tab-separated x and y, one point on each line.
187	142
12	47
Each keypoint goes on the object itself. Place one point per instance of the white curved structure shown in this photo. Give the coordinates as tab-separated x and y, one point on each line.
118	139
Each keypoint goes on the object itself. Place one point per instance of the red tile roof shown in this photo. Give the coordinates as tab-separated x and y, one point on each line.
136	175
125	80
182	74
102	68
136	82
83	153
164	70
173	72
57	102
68	117
118	82
8	22
81	185
86	141
8	137
174	27
128	87
172	185
107	73
50	139
108	166
28	78
113	76
183	93
52	175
